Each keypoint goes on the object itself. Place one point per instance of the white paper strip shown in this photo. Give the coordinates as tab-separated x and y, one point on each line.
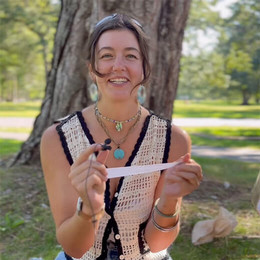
133	170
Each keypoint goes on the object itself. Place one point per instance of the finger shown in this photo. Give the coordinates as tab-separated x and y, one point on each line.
94	182
185	158
184	176
83	176
88	166
102	156
99	174
192	168
85	155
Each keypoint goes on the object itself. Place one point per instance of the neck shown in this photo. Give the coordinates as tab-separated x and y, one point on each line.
118	110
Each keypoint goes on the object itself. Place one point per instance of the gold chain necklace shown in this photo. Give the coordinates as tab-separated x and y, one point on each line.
118	153
119	124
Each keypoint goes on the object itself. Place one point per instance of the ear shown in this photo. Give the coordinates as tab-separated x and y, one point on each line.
91	73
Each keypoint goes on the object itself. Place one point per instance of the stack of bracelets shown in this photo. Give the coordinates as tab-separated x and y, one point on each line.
165	216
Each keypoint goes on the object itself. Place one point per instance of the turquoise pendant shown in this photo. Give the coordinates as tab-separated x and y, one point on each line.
119	154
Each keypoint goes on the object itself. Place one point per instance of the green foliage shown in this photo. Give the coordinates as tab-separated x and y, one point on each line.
231	68
27	31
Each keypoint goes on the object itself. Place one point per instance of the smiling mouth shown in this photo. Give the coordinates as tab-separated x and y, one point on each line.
118	80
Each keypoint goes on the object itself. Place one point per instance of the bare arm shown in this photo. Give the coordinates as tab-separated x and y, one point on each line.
174	183
65	184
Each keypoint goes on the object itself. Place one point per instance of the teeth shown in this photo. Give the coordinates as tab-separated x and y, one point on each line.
119	80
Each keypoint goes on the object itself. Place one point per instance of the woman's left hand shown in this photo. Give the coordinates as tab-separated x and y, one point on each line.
181	179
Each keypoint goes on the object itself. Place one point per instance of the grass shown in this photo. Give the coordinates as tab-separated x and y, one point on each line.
16	129
20	109
24	200
243	242
214	109
237	172
9	146
208	141
26	223
225	131
232	137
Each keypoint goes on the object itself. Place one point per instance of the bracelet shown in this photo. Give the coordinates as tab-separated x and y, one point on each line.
164	215
162	229
94	218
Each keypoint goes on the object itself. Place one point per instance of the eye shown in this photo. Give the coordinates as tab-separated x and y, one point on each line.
106	56
132	56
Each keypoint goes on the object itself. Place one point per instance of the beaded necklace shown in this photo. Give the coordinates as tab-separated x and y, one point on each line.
119	153
119	124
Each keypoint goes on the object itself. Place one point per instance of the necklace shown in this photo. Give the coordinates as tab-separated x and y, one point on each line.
119	124
118	153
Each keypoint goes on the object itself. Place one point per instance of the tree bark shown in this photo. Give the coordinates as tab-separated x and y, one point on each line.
66	90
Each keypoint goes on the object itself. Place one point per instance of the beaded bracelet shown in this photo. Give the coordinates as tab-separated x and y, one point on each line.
162	229
164	215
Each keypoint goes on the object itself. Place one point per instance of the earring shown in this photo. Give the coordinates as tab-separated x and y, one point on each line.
141	95
93	92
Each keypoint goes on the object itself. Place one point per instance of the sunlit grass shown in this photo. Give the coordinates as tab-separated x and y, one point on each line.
208	141
224	131
225	136
22	109
214	109
25	130
9	146
232	171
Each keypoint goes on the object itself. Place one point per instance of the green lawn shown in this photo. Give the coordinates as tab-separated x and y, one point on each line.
236	137
20	109
203	204
215	109
26	225
9	146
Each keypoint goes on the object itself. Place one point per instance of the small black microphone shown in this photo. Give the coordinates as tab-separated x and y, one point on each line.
106	145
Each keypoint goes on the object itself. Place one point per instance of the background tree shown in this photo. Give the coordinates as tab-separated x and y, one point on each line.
26	43
242	47
68	80
229	68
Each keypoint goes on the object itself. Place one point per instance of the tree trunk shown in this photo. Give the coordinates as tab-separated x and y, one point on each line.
246	97
66	89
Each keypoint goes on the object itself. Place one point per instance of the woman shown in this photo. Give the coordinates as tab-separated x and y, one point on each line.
141	217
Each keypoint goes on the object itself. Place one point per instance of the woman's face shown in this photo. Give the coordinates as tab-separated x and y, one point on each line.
118	57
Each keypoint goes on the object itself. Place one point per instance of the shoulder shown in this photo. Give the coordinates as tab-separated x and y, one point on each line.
180	143
50	138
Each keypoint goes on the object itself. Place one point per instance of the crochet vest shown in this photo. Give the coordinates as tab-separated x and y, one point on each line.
126	215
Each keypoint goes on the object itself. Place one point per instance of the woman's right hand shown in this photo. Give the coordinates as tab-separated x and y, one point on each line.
88	177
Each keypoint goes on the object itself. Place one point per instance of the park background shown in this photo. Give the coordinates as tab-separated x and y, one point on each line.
219	78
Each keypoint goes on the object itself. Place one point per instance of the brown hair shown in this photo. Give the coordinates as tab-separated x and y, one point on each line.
116	22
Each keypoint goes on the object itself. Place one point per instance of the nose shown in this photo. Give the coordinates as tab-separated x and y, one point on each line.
119	64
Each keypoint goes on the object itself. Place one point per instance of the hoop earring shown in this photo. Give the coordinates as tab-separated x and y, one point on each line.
141	95
93	92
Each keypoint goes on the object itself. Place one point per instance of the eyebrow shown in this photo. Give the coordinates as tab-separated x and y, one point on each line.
111	49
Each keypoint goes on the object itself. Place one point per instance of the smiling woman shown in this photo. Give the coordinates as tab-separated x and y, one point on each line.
120	64
97	217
